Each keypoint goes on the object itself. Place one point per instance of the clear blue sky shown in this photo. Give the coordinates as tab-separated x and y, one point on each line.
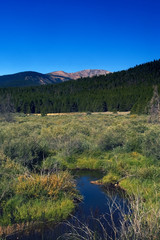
73	35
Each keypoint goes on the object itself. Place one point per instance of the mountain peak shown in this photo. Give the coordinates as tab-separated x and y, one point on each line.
80	74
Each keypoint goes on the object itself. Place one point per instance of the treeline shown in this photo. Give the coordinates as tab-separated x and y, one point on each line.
119	91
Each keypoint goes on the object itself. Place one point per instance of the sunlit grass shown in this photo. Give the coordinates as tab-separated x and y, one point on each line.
125	148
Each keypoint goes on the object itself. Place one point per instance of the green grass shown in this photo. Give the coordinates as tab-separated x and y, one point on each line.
125	148
18	210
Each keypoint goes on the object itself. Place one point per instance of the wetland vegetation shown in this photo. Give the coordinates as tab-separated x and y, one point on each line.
38	156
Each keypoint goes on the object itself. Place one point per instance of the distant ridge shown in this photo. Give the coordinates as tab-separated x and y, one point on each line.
30	78
81	74
23	79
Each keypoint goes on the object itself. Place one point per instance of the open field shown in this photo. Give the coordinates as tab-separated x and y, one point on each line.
37	154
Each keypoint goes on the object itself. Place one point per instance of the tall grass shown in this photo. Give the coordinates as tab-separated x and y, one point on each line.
125	148
40	197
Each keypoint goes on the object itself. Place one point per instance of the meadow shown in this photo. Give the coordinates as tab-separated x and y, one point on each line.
38	155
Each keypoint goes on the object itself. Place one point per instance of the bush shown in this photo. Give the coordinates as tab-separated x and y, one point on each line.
88	113
9	171
75	146
133	142
27	151
50	163
111	139
151	143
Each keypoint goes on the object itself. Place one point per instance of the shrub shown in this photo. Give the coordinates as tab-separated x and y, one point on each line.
27	151
133	142
9	170
112	138
151	143
74	146
88	113
50	163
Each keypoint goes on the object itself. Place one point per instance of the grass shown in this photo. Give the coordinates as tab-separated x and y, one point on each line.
18	210
126	148
39	198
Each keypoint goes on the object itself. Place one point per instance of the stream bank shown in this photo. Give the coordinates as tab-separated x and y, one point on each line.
96	203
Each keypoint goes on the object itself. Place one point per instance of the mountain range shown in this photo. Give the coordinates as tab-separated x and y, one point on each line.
30	78
127	90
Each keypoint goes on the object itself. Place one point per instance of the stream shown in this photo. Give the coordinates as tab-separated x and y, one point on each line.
96	202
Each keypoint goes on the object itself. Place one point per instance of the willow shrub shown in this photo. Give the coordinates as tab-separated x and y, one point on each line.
112	137
9	170
151	143
27	151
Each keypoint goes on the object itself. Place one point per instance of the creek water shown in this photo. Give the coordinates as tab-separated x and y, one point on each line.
95	204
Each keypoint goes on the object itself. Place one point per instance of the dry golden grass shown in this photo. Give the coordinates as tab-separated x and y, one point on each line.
82	113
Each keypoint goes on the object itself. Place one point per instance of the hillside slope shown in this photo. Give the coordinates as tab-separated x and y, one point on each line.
24	79
129	90
29	78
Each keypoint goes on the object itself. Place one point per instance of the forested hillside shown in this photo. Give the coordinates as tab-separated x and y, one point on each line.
119	91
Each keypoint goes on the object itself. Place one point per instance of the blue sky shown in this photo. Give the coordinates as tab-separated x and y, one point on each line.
69	35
